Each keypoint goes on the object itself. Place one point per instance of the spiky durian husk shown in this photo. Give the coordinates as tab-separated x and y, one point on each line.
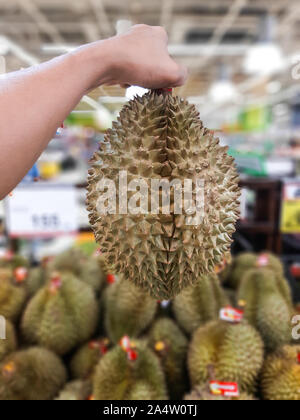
268	305
246	261
92	274
14	262
173	355
36	280
202	393
281	375
80	265
162	137
12	295
199	304
31	375
62	318
70	260
117	378
86	358
234	350
75	391
8	345
129	310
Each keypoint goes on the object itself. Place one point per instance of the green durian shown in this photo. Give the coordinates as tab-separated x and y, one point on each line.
266	307
160	137
129	310
9	344
87	357
31	375
199	304
248	260
62	315
202	393
281	375
37	278
13	262
118	378
80	265
234	350
12	295
169	343
75	391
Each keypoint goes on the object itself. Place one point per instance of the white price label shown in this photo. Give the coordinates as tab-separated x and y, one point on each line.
42	211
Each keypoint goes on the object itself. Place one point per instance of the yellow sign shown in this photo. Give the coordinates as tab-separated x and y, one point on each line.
290	213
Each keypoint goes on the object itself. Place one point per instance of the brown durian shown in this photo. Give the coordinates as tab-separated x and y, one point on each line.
159	137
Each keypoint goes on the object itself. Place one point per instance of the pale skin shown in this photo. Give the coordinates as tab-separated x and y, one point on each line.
34	102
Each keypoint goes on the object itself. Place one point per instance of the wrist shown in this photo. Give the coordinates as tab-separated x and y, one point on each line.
95	64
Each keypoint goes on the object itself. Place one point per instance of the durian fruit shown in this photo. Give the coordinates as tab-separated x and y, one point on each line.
234	350
14	261
281	375
170	345
62	315
202	393
12	295
36	280
87	357
31	375
267	305
92	274
160	137
75	391
199	304
129	310
9	344
248	260
119	378
77	263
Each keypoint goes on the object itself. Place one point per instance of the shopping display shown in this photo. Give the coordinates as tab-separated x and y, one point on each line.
194	347
161	137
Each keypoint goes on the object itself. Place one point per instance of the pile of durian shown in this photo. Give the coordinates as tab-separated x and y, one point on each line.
75	331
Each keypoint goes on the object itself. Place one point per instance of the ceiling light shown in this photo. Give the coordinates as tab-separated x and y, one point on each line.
223	90
265	58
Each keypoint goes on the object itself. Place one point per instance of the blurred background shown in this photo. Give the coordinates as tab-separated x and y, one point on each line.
244	62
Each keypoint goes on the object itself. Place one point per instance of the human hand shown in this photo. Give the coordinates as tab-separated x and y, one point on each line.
140	57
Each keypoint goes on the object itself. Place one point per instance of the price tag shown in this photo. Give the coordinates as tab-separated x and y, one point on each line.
290	212
230	314
37	211
227	389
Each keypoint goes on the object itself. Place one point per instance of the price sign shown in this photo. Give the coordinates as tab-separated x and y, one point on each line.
290	213
37	211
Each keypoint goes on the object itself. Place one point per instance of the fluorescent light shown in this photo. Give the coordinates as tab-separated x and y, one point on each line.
264	59
223	91
133	91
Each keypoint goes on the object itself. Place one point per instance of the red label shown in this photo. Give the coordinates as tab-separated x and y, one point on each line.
20	274
110	279
298	357
132	355
226	389
231	314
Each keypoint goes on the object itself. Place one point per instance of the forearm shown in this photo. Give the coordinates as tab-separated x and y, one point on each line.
34	103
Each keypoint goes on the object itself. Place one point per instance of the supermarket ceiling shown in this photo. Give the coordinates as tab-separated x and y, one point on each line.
203	33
